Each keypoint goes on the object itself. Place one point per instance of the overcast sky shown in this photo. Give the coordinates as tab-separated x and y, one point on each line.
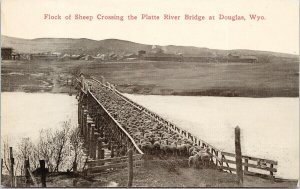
279	32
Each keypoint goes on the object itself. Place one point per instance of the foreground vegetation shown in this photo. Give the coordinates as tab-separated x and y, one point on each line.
160	78
158	172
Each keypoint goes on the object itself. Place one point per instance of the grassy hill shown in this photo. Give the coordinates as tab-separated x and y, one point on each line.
94	47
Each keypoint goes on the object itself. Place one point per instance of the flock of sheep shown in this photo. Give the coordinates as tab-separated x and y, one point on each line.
151	136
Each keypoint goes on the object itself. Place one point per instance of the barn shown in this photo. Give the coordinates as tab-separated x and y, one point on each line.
6	53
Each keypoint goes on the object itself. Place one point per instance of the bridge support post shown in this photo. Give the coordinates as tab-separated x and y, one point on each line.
79	113
95	145
88	134
100	151
80	118
91	141
84	123
112	148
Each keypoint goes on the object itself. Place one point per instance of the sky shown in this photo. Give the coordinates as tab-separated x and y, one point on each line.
278	32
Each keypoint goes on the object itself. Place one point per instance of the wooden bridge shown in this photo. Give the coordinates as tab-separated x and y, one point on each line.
110	124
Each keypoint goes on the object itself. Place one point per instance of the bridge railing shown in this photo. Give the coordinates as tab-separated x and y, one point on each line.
129	140
224	160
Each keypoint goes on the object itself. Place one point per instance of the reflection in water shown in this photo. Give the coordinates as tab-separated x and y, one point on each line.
269	126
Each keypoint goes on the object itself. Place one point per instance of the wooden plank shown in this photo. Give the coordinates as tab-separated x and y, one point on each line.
248	172
135	157
104	167
252	165
228	154
267	176
251	158
213	155
261	159
115	165
228	168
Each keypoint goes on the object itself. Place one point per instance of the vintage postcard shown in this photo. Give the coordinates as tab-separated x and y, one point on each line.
149	93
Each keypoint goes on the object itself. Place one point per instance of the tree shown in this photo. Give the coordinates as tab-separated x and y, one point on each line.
60	140
25	150
76	146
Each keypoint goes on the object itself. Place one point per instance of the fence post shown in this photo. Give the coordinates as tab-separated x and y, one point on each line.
27	175
246	165
12	162
271	172
238	156
43	172
130	167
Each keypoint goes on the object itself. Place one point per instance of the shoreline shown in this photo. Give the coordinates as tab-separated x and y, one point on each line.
64	91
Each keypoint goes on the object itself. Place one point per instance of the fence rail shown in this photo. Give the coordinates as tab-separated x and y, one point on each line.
113	163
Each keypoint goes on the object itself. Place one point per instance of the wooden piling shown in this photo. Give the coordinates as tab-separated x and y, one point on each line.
112	149
84	123
91	141
238	157
88	134
100	151
130	167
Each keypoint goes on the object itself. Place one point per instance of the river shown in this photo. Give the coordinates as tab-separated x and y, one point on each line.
25	114
269	126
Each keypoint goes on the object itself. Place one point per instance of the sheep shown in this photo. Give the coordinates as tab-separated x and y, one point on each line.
194	160
173	148
205	157
183	149
156	147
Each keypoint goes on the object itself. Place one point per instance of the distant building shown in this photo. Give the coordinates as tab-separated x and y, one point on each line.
43	56
244	59
6	53
233	56
16	56
141	53
249	59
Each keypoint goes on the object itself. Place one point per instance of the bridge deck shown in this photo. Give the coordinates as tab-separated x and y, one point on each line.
155	135
142	127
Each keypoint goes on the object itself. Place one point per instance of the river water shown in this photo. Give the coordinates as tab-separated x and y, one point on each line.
269	126
25	114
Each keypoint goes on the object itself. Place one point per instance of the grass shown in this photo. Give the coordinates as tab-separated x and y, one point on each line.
161	173
174	78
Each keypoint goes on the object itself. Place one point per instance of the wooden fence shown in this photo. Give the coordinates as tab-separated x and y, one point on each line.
113	163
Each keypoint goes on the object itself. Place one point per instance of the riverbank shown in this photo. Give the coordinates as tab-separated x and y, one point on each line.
158	78
161	173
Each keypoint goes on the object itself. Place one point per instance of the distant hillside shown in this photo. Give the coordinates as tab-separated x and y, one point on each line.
121	47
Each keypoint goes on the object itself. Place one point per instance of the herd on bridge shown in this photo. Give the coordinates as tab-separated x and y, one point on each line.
109	120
